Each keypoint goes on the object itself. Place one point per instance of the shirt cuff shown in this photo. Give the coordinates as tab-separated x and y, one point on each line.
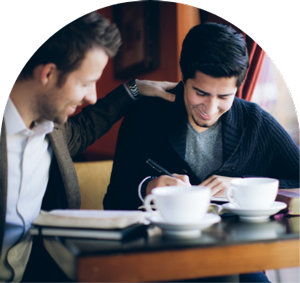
140	187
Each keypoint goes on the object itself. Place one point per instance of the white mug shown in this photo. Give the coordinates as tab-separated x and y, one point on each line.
180	204
252	193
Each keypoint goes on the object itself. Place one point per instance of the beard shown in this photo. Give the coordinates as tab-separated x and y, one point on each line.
203	125
48	107
52	114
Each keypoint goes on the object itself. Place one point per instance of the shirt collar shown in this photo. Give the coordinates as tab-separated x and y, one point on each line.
15	124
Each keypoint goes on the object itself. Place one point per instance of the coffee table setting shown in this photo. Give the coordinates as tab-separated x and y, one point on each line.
182	211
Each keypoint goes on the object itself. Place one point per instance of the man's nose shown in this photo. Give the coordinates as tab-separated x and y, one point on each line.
211	105
91	97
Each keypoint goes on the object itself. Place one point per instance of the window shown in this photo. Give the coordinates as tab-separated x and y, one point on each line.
272	94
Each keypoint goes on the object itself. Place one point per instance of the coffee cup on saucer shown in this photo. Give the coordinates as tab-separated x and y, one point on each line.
252	193
180	204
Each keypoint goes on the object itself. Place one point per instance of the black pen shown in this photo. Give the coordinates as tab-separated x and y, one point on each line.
158	168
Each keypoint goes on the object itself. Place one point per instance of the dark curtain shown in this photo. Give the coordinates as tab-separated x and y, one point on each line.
256	56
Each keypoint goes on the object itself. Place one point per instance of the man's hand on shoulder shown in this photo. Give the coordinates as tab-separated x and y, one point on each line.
165	180
156	89
218	184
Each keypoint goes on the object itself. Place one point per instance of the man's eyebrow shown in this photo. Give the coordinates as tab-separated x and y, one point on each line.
206	93
199	90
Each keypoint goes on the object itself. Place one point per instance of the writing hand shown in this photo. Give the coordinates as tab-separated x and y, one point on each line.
165	180
218	184
156	89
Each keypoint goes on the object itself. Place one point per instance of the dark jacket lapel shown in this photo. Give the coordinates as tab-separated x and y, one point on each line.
176	116
65	171
233	125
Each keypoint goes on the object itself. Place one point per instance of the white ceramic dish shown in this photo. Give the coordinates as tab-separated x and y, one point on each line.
184	230
255	215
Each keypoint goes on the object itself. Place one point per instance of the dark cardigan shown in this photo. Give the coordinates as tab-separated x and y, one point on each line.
254	144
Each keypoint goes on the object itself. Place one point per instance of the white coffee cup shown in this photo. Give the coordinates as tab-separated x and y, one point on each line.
252	193
180	204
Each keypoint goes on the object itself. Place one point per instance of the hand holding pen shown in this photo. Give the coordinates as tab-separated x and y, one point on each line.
167	179
158	168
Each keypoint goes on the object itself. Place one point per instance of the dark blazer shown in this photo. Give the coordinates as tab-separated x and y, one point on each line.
67	140
254	144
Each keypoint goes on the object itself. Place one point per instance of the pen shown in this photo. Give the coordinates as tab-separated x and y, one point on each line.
158	168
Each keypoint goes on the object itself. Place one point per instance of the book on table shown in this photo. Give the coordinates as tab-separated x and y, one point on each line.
97	224
291	198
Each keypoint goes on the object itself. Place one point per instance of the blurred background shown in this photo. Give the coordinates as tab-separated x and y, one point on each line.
152	34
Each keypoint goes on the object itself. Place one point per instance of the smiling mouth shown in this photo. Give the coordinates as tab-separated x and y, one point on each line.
204	115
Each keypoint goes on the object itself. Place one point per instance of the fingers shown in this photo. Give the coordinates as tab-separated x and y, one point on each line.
166	95
168	85
183	178
165	180
217	187
156	89
218	184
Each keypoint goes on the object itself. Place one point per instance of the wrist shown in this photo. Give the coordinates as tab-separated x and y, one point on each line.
144	185
132	89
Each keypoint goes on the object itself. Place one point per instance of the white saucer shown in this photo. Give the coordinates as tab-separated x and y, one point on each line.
184	230
255	215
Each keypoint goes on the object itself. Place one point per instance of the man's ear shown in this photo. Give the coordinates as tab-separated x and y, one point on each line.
46	74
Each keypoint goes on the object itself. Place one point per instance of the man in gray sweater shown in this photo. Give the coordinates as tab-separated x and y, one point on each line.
208	136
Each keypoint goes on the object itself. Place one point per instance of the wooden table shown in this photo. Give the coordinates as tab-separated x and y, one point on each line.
229	247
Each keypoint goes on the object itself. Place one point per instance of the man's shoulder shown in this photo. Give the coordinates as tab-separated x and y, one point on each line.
247	108
150	108
246	104
251	114
146	113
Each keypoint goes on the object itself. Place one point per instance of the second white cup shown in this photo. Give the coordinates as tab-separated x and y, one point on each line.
252	193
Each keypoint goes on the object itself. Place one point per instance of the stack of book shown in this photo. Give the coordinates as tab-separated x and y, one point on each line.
97	224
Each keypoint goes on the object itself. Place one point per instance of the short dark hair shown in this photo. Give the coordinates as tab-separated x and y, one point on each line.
216	50
68	47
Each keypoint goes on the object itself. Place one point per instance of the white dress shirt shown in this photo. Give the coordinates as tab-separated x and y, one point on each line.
29	155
